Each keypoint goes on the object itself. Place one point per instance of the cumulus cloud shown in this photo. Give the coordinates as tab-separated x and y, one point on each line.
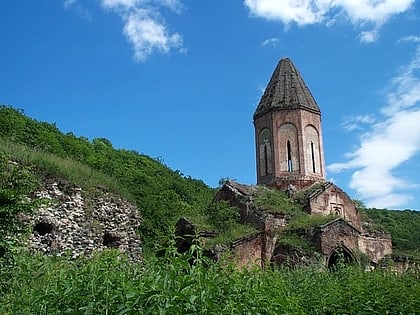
363	13
388	143
144	26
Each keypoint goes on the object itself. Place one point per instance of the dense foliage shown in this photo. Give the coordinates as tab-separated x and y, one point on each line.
162	195
111	284
404	227
15	182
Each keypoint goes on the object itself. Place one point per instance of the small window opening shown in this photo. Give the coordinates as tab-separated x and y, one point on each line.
337	211
313	157
265	160
43	228
289	157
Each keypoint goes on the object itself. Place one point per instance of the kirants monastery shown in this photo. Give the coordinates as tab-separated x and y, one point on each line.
290	158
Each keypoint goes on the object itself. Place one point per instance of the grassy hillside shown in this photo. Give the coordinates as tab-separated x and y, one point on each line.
110	283
162	195
404	227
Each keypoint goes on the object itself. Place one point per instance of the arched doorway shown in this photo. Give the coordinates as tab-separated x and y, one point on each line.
340	255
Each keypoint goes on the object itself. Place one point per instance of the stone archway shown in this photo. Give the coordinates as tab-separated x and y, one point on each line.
340	254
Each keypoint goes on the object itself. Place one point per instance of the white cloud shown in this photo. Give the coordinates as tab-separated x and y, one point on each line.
287	11
144	26
388	144
78	8
270	41
410	38
146	34
369	36
354	122
68	3
377	11
364	13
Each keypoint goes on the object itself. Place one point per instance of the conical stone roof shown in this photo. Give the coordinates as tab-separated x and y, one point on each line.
286	90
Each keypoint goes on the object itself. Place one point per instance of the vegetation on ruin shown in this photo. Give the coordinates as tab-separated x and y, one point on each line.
274	201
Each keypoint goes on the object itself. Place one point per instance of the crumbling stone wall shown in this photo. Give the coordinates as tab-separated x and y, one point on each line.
376	245
68	224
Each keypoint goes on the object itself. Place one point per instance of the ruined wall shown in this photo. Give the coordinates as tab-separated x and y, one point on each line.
237	195
333	200
69	224
376	246
248	251
336	233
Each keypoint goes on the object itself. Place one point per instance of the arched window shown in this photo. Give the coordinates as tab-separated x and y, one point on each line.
265	159
313	157
265	152
287	147
289	157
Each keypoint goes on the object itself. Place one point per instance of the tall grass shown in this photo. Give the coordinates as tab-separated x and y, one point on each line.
110	284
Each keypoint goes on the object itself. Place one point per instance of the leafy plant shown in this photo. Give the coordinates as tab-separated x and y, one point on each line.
222	215
110	284
15	182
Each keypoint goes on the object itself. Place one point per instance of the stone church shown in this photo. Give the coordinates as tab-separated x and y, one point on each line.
289	146
290	158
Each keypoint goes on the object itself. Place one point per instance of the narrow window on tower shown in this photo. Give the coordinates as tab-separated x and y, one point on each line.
313	157
289	157
265	159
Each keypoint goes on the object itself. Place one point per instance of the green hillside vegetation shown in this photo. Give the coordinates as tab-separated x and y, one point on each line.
110	283
404	226
161	194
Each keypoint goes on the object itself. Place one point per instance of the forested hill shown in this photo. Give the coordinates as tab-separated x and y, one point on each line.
404	227
161	194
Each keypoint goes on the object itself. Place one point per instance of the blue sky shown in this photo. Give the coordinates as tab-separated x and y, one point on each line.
180	80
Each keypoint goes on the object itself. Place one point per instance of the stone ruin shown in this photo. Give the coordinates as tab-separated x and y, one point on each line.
341	236
69	224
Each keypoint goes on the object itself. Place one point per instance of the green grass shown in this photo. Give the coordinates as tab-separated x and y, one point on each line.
110	284
234	232
55	167
274	201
